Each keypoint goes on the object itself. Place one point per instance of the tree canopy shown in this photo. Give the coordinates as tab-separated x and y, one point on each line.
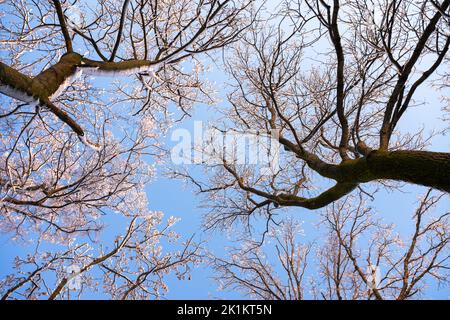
89	88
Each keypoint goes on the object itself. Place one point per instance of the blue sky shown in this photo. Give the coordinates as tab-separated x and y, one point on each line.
174	198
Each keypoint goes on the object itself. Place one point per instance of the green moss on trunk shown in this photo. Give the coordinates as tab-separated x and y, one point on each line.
426	168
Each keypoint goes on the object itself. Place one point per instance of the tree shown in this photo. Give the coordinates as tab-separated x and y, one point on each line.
87	89
333	79
75	148
249	269
330	82
361	258
132	268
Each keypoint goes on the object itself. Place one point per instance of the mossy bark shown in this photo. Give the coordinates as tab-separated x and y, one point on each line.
41	87
427	168
49	80
431	169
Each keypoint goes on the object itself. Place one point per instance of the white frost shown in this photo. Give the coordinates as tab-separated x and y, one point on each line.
67	82
91	145
95	71
18	94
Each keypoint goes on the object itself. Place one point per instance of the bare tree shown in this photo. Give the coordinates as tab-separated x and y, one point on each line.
361	258
75	146
145	38
334	79
251	270
132	268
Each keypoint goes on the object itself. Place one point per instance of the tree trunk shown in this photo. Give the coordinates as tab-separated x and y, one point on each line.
431	169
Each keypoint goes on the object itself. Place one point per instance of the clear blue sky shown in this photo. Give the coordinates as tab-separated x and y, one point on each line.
173	198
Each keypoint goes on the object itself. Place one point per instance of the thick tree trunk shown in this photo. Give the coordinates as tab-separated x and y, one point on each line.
42	88
426	168
431	169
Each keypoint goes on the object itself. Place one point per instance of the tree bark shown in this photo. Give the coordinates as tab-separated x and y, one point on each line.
427	168
431	169
39	89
